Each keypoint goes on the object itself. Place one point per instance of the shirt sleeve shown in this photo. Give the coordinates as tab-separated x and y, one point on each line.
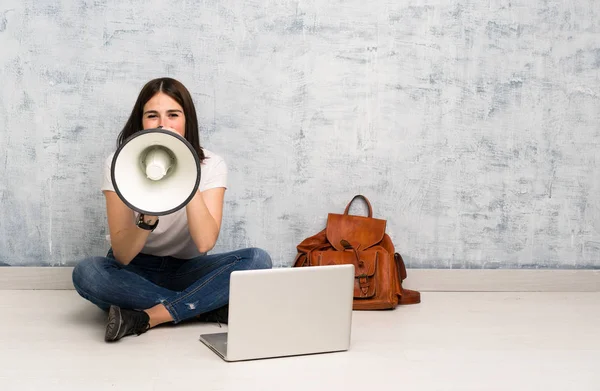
214	173
106	179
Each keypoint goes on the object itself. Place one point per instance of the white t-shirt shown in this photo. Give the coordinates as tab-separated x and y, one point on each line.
172	237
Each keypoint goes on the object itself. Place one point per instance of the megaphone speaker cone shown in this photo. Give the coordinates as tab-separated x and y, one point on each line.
157	161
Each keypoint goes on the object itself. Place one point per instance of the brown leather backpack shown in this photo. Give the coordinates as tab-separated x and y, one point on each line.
362	241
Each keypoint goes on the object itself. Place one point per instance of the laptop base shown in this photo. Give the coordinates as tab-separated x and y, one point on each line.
217	342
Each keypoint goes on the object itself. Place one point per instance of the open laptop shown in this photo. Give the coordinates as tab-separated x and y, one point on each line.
286	312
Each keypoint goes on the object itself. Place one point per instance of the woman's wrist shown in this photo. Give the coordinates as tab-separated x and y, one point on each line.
148	223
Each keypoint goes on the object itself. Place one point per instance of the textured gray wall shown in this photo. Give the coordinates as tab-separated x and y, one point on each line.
471	126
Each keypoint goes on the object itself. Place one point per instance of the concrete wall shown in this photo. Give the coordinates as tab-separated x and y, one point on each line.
471	126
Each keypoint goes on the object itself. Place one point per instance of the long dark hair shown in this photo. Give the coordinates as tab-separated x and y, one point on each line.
181	95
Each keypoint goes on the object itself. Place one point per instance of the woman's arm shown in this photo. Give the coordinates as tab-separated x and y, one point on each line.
126	238
204	213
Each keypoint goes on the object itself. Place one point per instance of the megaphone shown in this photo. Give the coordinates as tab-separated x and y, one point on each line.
155	172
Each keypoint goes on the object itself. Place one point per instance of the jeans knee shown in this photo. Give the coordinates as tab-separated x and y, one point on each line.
86	272
260	259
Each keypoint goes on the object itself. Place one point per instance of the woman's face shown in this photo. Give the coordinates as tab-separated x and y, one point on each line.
162	110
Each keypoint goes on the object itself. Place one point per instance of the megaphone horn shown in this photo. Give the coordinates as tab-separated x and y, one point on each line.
155	172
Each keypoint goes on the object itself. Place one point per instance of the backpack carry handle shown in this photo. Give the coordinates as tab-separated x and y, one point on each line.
366	201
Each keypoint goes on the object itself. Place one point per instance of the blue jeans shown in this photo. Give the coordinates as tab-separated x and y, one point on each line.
186	287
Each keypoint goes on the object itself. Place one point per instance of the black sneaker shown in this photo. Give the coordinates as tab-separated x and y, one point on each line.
220	315
122	322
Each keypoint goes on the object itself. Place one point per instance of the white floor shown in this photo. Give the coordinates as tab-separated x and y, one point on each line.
53	340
